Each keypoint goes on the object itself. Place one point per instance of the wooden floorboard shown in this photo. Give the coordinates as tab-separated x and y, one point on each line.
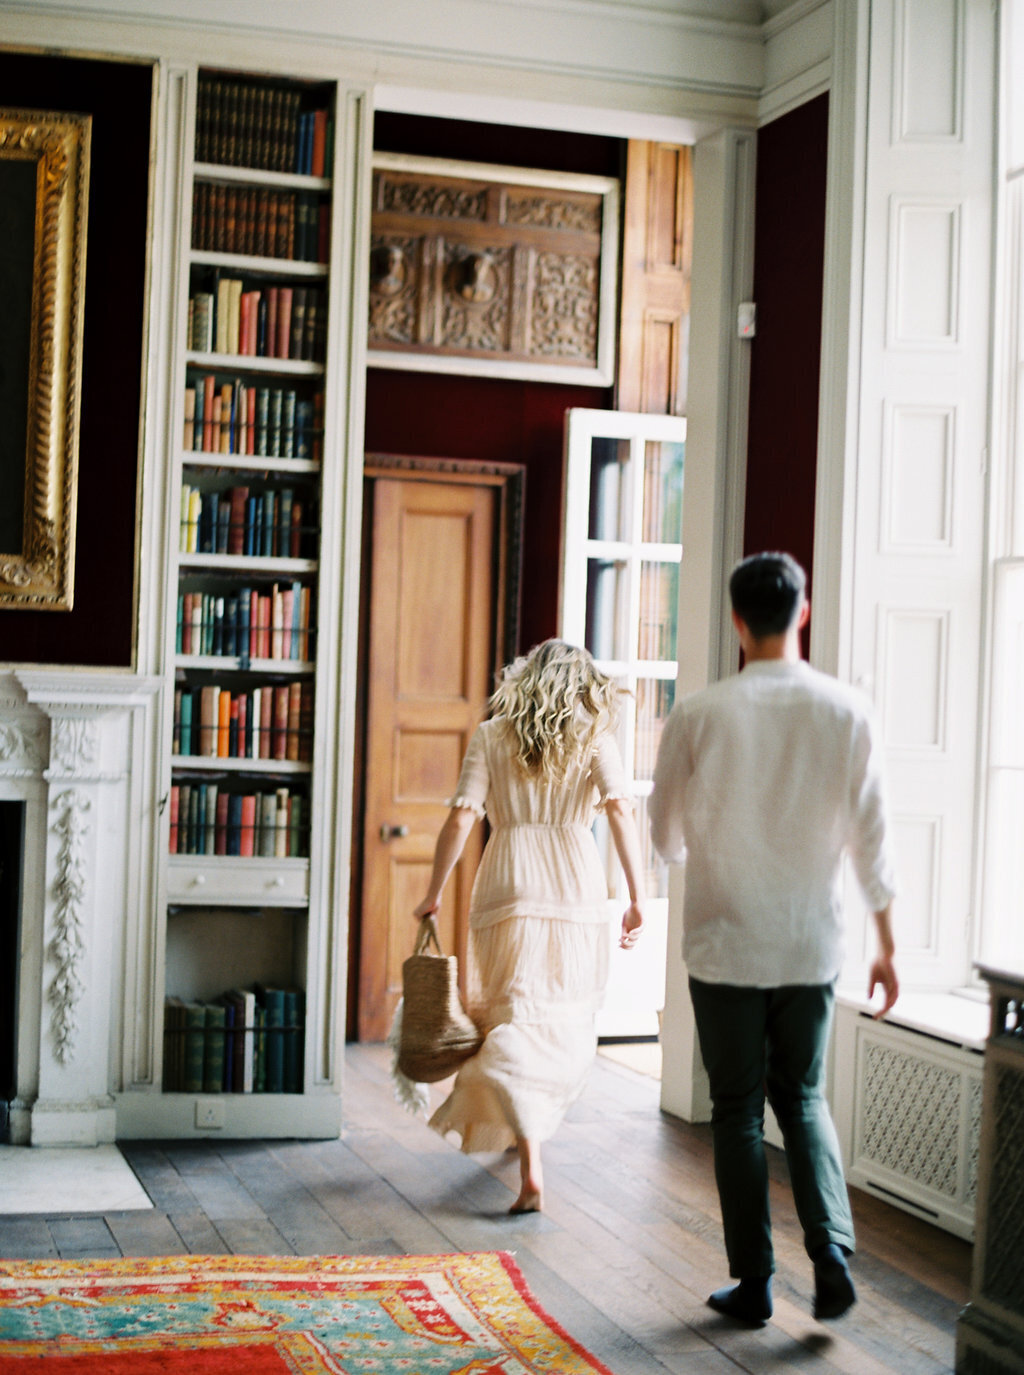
624	1256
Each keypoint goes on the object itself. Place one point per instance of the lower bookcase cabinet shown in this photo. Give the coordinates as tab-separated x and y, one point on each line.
234	1025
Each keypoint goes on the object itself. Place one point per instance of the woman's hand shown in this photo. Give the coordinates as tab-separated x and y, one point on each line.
425	909
632	925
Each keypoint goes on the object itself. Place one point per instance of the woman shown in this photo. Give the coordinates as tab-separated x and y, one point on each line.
539	769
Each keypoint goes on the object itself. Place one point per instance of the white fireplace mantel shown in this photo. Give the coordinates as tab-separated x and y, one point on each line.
73	749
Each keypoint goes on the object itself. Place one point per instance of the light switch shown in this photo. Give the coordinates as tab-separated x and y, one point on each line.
746	319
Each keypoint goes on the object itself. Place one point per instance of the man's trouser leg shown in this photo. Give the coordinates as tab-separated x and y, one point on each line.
732	1028
799	1022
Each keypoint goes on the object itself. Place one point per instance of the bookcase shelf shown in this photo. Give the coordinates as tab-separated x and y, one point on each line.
249	463
250	263
267	567
253	176
234	663
248	362
216	763
247	833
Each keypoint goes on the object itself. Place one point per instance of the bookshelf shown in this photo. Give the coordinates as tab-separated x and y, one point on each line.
245	1004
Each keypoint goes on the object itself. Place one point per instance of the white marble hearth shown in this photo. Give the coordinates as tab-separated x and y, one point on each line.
55	1180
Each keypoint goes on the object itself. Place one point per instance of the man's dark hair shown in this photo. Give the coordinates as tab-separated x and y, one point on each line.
766	591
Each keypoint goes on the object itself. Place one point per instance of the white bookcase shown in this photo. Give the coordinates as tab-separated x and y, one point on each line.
262	491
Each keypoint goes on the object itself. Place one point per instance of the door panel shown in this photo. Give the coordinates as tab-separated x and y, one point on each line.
430	662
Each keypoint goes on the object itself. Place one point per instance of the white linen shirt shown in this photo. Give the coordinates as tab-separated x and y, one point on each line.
762	782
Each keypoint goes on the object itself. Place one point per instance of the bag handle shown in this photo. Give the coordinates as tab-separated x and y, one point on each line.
427	934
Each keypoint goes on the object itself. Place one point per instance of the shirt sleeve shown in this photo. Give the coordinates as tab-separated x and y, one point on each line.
608	773
474	780
869	847
671	774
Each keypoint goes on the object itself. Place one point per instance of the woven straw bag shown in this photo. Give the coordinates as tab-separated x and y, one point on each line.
436	1032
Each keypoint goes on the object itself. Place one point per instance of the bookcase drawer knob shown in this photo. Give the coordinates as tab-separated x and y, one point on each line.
198	880
277	882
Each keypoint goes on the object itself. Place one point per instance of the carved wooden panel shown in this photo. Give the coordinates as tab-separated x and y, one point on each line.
492	270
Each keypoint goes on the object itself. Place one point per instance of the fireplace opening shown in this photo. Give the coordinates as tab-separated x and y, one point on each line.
12	826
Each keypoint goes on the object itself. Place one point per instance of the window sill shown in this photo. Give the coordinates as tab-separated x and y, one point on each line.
956	1016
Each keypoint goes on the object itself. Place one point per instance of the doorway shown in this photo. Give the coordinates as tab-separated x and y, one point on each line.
440	597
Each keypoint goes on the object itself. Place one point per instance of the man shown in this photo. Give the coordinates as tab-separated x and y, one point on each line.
762	782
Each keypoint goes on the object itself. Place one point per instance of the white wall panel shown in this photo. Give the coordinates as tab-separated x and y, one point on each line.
927	70
917	479
919	845
914	662
924	273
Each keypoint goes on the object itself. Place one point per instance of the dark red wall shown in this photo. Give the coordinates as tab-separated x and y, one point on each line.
98	631
789	252
442	416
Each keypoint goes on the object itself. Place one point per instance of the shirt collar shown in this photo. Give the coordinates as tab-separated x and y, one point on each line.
775	667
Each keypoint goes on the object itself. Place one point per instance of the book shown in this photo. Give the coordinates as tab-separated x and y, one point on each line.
209	840
243	1045
283	337
193	1052
247	837
294	1019
267	847
294	712
213	1052
319	144
174	804
174	1032
272	1002
279	739
220	825
297	334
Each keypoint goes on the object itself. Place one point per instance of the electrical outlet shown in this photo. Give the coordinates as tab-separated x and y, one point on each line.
209	1113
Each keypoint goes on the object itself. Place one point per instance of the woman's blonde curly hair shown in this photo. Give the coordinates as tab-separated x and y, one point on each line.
554	700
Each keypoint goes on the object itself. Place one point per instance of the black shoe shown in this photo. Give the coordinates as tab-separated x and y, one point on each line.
833	1288
748	1302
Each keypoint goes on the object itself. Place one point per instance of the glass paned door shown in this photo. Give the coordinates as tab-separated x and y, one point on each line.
622	550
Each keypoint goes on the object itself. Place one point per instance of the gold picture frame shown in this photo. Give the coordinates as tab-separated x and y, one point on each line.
44	192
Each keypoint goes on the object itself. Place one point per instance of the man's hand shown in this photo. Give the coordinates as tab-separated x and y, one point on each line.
883	975
632	925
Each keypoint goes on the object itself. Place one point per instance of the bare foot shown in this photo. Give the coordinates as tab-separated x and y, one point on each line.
529	1201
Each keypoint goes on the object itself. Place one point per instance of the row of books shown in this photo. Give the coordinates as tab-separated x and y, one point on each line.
246	623
229	416
249	1040
266	525
274	721
208	819
258	322
250	124
265	223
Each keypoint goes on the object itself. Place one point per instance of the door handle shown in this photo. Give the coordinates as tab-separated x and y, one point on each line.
393	832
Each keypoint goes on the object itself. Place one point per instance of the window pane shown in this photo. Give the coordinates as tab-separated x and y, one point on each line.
609	515
663	492
605	608
659	600
654	698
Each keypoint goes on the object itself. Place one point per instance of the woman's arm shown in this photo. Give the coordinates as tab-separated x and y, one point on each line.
450	842
626	838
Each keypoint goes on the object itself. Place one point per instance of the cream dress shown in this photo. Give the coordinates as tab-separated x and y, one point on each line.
539	938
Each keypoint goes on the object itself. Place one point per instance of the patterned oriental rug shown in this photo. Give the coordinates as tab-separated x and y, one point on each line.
244	1315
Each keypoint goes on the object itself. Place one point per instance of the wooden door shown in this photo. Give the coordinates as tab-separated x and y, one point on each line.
431	656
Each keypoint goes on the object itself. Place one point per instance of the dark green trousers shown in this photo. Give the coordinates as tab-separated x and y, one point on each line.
758	1041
